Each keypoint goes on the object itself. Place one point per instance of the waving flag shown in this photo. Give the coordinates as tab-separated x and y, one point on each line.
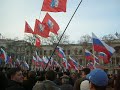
54	5
74	61
51	23
41	29
65	63
60	52
28	29
103	56
88	55
37	42
3	55
100	46
45	59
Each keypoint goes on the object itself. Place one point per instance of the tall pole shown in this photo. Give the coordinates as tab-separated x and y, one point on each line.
63	33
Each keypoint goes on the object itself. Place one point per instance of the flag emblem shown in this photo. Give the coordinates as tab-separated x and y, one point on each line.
50	24
41	27
54	3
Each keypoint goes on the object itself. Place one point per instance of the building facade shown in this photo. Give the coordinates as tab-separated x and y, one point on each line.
24	51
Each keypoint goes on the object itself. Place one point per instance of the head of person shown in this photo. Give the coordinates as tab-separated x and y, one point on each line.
98	79
15	74
85	85
85	71
65	79
50	75
31	74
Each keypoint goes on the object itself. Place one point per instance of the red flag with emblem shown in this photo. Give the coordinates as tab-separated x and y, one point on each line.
51	23
28	29
41	29
54	5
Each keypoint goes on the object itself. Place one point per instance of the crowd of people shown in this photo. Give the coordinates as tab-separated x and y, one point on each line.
85	79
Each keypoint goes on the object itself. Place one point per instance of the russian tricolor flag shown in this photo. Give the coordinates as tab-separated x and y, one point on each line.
103	56
88	55
100	46
60	52
3	54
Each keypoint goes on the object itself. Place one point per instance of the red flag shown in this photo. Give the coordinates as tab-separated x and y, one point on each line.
54	5
28	29
41	29
37	42
51	23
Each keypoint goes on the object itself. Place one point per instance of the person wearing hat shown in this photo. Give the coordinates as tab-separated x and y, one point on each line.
98	79
77	83
65	83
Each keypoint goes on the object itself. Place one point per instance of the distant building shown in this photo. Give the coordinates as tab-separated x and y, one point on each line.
24	51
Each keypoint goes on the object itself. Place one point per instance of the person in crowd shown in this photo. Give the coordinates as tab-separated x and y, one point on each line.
15	77
3	81
58	78
98	79
31	80
77	83
117	82
85	85
65	83
48	83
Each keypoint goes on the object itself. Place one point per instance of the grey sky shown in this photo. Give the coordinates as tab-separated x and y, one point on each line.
99	16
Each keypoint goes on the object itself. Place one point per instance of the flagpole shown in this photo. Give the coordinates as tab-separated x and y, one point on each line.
63	33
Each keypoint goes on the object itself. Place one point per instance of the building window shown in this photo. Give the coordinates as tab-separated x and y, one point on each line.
45	52
40	52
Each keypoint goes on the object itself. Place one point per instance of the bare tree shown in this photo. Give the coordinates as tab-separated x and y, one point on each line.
109	38
30	39
85	39
50	40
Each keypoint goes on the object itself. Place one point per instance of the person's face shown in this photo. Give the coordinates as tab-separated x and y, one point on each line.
18	77
83	74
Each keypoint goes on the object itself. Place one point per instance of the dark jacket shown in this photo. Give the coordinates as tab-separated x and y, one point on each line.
66	87
28	84
46	85
13	85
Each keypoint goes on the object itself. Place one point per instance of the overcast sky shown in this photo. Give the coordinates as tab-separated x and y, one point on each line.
99	16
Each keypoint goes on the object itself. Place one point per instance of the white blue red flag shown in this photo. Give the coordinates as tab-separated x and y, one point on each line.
60	52
88	55
100	46
3	55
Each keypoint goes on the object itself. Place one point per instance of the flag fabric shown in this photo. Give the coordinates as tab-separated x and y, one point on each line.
74	61
54	5
103	56
51	23
26	65
60	52
37	42
100	46
3	55
66	64
28	29
45	59
88	55
41	29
